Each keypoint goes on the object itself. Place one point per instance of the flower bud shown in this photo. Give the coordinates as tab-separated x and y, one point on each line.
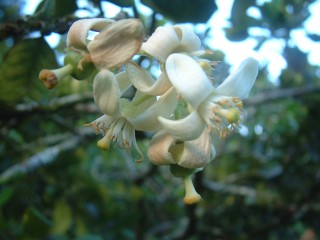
82	66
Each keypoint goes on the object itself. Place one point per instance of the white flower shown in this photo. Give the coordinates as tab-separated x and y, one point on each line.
122	117
171	39
216	108
163	42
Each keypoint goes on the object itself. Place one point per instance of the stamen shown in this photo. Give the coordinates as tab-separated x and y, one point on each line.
222	114
94	125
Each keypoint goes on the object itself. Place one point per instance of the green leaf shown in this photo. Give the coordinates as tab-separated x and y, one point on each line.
44	10
62	218
236	33
314	37
64	7
20	69
35	224
240	21
238	11
122	3
89	237
184	10
5	195
48	9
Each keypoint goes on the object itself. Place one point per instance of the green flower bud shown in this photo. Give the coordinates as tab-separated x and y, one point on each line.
82	65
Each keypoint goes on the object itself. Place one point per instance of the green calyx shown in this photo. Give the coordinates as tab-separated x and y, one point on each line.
176	151
181	110
182	172
83	67
131	109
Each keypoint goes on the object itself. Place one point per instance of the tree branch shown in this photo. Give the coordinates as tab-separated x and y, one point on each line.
55	103
230	188
44	157
22	27
280	94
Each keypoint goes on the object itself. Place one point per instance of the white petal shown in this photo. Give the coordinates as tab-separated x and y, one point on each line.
106	93
188	78
145	83
189	41
147	119
158	149
123	81
240	82
78	32
128	133
185	129
196	153
161	43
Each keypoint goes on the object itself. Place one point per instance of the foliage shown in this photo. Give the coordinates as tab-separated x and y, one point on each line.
56	184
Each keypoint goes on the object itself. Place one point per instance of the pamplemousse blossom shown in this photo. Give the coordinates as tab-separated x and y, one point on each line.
160	45
121	117
185	140
182	105
218	108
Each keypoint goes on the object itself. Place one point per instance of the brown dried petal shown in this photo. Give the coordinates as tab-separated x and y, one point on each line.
78	32
197	153
158	150
117	44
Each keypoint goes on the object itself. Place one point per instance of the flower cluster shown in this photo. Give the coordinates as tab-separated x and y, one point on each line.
182	106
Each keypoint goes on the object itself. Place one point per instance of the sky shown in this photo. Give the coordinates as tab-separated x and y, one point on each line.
270	53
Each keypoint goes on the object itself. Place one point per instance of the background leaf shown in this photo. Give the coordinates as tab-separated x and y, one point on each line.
20	69
184	10
122	3
62	218
35	223
49	9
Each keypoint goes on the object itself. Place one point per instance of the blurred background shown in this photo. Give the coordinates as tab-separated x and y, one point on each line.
264	182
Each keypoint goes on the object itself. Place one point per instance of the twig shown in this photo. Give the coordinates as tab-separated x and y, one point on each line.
43	158
48	140
23	27
56	102
230	188
280	94
35	107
